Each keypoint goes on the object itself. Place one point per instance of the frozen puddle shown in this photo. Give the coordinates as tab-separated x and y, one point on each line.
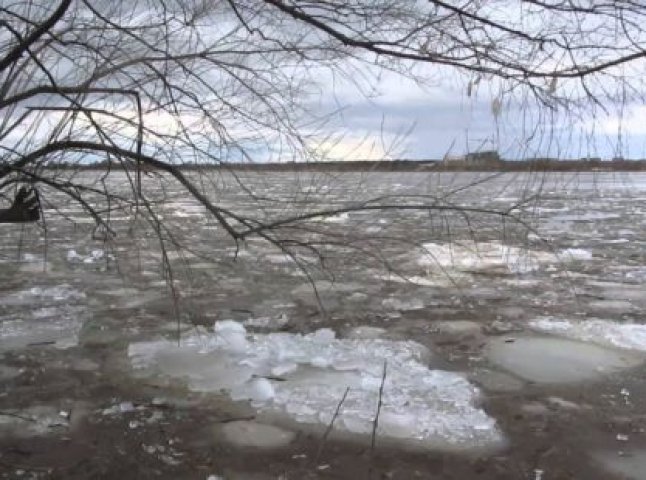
631	336
306	376
556	360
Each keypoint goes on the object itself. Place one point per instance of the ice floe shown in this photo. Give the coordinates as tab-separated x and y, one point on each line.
630	336
246	433
55	317
556	360
43	295
92	257
305	377
60	331
469	256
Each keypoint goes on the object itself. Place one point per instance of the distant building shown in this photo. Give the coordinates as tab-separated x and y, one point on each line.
453	160
486	158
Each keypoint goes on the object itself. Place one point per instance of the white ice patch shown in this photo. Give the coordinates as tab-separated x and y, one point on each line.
472	256
94	256
52	320
631	336
279	258
272	323
556	360
42	295
338	218
305	377
575	254
478	256
185	209
59	328
402	304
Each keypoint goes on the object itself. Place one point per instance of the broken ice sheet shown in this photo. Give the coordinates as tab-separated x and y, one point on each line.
305	377
45	295
56	326
471	256
630	336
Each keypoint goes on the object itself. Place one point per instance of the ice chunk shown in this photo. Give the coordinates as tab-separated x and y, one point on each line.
366	332
256	390
94	256
253	434
228	326
576	254
429	407
469	256
57	326
273	323
43	295
322	335
556	360
231	335
403	305
474	256
631	336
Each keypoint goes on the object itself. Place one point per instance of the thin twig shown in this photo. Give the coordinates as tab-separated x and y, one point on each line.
328	430
375	423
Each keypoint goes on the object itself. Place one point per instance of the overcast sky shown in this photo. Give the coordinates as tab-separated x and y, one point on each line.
430	122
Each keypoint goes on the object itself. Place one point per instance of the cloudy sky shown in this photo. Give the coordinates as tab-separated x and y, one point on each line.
403	120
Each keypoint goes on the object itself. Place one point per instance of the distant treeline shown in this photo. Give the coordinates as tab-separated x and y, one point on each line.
535	164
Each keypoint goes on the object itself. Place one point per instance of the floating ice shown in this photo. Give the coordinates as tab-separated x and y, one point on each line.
42	295
403	305
305	377
477	256
338	218
470	256
55	326
243	433
272	323
94	256
576	254
556	360
630	336
280	258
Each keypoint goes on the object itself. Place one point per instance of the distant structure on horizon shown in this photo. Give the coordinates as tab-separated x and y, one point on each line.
485	158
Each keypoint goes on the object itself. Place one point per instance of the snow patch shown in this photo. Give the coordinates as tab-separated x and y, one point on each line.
306	376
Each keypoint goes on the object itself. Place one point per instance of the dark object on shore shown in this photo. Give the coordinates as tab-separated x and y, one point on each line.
25	207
